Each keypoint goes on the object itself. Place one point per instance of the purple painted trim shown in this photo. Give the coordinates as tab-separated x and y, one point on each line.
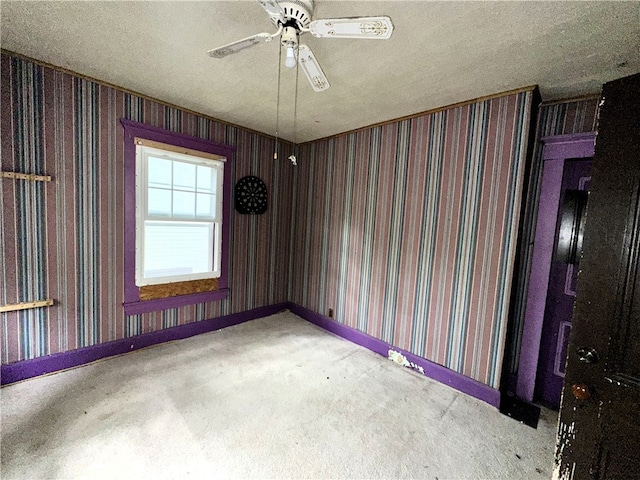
539	277
556	150
159	134
135	308
432	370
14	372
578	145
132	301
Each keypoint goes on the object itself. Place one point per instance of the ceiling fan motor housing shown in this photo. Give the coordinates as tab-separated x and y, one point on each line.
289	37
296	13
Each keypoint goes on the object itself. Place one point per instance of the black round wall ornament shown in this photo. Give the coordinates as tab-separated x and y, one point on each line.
251	195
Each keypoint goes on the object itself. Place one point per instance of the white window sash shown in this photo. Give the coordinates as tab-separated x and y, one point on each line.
142	214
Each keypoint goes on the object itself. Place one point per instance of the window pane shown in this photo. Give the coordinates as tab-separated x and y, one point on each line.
205	206
184	175
184	204
159	173
206	179
177	249
159	202
217	243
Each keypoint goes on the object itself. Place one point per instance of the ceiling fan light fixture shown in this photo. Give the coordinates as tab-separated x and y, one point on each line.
290	42
290	57
294	18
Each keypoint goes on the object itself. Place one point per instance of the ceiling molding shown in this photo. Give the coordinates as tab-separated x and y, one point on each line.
514	91
279	139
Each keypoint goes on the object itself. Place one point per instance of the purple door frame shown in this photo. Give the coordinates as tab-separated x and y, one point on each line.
555	151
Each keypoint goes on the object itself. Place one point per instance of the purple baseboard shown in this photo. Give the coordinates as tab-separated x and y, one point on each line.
432	370
14	372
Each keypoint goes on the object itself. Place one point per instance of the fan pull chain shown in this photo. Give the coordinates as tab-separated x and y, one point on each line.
295	105
292	157
275	153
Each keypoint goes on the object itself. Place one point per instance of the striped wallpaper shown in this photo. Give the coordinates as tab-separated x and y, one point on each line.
408	231
564	118
64	239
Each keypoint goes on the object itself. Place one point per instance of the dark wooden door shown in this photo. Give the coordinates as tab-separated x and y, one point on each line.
599	429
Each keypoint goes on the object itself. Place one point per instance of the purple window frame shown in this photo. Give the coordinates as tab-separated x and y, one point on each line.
132	303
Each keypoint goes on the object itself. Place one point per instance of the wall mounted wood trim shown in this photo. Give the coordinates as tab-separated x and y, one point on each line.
26	305
26	176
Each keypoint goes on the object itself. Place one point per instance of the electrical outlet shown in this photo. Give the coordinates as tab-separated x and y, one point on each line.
331	313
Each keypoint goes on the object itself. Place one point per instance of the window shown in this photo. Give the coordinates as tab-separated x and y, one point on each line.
177	198
178	216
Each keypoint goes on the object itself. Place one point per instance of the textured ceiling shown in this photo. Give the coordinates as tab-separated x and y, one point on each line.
440	53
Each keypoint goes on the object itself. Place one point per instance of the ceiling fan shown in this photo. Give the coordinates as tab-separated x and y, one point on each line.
294	18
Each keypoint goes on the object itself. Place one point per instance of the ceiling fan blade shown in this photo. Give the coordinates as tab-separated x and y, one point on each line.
235	47
312	70
273	9
359	27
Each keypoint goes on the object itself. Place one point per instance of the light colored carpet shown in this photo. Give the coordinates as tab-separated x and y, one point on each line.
271	398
